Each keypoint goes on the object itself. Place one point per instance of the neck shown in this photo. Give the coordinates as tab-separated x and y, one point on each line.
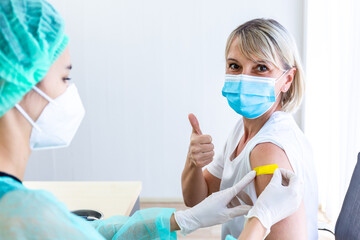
253	126
14	143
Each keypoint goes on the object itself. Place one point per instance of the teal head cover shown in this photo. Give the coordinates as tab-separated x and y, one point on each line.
31	39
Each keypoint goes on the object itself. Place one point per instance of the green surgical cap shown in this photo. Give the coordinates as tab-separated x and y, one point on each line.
31	39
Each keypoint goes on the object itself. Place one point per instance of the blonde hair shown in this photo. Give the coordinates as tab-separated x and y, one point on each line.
268	40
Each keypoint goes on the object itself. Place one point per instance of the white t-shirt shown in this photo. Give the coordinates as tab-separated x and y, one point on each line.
281	130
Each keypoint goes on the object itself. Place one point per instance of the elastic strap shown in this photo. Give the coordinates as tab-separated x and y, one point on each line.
27	117
44	95
282	75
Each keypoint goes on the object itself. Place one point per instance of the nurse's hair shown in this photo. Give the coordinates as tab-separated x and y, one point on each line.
268	40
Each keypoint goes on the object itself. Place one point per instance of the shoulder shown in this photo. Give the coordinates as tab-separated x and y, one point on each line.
8	184
282	130
39	214
36	202
267	154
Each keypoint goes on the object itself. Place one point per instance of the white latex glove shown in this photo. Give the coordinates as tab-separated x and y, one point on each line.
277	202
213	210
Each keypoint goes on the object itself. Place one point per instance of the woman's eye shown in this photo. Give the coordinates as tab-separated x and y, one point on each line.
67	79
262	68
233	66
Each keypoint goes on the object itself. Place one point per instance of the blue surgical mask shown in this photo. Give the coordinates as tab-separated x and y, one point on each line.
250	96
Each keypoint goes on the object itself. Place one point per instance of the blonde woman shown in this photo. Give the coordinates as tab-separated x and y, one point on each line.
40	109
264	83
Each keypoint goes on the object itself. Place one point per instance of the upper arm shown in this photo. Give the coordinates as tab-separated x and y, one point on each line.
267	154
212	182
294	226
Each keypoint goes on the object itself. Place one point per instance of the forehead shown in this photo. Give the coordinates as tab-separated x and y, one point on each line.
250	50
63	61
235	52
65	56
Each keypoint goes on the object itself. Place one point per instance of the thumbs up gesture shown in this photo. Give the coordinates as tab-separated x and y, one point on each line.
201	150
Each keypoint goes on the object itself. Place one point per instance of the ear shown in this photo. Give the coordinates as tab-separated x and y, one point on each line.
289	79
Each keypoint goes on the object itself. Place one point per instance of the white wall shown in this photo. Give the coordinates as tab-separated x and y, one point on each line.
141	67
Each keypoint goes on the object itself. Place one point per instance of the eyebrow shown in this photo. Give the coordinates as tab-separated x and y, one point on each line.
261	62
69	67
232	59
256	62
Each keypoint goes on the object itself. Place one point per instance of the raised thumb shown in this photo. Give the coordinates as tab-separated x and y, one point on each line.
195	124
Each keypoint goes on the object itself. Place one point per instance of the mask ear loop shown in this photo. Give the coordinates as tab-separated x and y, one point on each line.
44	95
282	75
279	79
27	117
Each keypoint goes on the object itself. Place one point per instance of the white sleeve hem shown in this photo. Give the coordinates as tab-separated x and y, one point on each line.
214	171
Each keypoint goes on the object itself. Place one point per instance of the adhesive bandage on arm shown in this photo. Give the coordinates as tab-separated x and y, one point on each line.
267	169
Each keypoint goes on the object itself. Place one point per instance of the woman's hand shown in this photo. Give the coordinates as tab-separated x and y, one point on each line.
201	150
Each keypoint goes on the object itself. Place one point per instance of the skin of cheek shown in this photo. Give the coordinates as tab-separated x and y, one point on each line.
33	104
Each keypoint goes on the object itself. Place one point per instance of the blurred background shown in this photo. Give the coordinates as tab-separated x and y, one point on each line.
142	66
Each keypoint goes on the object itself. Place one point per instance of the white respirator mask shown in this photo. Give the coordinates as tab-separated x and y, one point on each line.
58	122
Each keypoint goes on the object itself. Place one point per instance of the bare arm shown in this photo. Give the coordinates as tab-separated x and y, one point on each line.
294	226
253	230
173	224
196	185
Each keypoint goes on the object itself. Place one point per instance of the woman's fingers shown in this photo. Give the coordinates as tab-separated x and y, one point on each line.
202	159
200	139
203	156
202	148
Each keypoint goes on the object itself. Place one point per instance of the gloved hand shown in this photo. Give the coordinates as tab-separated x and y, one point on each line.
277	202
213	210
